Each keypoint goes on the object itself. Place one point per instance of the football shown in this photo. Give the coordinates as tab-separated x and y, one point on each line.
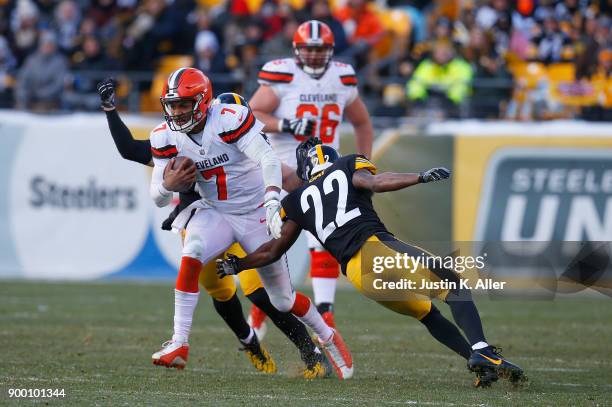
179	162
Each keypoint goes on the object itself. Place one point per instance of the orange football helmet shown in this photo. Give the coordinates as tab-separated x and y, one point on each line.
186	84
313	45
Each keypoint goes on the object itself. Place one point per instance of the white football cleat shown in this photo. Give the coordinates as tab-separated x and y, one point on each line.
339	355
172	354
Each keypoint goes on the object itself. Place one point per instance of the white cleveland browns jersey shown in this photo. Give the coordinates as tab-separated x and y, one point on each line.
226	179
303	96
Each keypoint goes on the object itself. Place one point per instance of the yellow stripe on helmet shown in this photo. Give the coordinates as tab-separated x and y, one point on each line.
320	154
237	99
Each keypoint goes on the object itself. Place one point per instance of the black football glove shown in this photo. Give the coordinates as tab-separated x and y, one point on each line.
106	90
302	151
435	174
303	127
228	266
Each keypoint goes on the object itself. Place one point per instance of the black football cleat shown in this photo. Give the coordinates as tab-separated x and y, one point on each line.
259	356
489	362
317	366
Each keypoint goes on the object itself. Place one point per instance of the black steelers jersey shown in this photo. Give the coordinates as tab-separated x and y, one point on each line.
339	215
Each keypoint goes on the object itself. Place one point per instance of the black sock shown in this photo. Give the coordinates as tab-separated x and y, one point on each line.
292	327
325	307
446	333
231	312
466	315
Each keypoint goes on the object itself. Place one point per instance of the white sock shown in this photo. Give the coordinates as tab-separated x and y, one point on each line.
314	320
184	307
324	289
479	345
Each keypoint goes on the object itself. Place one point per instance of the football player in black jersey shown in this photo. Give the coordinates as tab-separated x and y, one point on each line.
335	205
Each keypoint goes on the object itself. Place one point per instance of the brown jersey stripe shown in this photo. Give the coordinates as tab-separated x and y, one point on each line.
234	135
168	151
275	76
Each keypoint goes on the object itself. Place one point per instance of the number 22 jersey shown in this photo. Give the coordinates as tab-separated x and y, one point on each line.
339	215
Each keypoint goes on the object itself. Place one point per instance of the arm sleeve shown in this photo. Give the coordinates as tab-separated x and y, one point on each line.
259	150
129	148
161	196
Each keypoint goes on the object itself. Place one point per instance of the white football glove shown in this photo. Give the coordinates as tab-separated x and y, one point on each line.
274	223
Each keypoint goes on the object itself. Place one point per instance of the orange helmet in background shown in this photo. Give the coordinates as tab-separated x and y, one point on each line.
186	84
313	45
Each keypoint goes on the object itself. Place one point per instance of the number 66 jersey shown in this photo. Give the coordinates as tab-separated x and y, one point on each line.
339	215
300	95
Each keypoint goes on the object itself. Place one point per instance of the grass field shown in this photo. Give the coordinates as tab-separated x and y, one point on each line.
95	341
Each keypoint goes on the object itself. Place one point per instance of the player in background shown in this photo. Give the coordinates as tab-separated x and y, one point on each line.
308	96
239	178
222	291
344	229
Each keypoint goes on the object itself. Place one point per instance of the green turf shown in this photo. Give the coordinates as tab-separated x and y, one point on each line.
95	341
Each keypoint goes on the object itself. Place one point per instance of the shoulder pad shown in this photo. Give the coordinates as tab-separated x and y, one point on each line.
232	121
163	144
277	71
346	73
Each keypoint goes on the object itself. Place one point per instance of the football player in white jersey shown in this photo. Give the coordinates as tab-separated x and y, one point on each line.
308	96
239	178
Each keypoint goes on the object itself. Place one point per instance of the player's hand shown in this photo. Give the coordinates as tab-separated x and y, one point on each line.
274	223
106	90
303	127
228	266
302	151
435	174
180	178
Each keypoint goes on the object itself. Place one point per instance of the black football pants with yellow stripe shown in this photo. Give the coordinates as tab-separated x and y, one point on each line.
420	307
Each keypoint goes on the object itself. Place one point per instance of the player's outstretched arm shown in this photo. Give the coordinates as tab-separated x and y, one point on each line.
392	181
129	148
265	254
263	103
358	115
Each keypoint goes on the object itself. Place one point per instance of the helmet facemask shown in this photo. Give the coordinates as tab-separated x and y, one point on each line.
186	121
313	59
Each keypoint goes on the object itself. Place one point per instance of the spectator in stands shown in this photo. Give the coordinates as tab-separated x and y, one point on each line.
81	92
24	29
489	14
8	66
41	79
442	81
281	45
492	81
209	58
66	26
551	42
362	26
320	10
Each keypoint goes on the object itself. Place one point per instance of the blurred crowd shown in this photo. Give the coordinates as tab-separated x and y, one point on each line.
519	59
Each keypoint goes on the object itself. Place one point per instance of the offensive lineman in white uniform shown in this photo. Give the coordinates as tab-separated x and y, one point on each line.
308	96
239	177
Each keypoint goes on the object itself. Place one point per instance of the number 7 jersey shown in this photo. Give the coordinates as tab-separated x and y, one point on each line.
339	215
300	95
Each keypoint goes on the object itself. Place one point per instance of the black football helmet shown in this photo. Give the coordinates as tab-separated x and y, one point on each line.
318	159
230	98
